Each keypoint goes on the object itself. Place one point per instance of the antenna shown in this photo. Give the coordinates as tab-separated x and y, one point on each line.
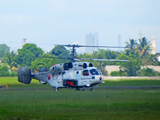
140	33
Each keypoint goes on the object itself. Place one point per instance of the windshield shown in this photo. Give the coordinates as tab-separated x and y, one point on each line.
99	71
94	72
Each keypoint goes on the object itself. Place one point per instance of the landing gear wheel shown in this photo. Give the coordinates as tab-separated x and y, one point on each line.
82	89
91	89
77	89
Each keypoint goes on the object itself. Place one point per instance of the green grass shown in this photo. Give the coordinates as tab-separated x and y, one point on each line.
71	105
131	82
77	105
13	81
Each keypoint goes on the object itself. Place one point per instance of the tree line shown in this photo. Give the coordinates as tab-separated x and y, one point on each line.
137	52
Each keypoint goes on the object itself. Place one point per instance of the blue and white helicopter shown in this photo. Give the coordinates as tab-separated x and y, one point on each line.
78	75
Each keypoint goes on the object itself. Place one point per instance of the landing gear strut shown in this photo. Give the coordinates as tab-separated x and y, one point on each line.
56	88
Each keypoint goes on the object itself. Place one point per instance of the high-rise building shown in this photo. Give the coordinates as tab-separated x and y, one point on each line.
90	41
153	45
96	40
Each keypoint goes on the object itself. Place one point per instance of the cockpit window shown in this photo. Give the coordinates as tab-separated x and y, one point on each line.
99	71
85	72
94	72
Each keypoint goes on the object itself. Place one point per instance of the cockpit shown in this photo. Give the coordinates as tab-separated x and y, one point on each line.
92	71
95	71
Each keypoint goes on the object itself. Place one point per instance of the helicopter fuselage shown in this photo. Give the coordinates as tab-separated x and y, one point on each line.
72	75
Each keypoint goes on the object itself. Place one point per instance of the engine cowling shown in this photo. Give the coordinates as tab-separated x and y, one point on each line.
24	75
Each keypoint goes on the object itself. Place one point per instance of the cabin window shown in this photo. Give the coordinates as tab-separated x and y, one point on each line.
94	72
85	72
77	72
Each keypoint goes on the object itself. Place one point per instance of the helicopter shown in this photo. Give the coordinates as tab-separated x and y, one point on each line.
74	74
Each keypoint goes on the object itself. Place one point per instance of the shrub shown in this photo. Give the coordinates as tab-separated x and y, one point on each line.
117	73
148	72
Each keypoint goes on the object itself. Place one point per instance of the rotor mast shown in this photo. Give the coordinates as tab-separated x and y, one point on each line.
73	51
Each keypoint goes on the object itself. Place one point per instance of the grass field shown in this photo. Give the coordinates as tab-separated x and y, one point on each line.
77	105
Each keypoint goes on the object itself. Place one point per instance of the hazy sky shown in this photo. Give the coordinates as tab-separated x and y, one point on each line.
48	22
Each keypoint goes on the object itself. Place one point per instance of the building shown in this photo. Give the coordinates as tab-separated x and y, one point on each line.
158	56
153	46
91	40
154	49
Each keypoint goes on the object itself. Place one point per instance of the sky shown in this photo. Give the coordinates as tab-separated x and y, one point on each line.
49	22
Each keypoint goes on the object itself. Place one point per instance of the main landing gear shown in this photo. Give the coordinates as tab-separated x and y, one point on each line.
77	89
83	89
80	89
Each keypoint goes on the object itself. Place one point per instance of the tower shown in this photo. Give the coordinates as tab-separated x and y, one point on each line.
153	45
24	41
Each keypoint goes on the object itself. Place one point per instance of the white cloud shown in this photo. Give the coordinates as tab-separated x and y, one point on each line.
14	18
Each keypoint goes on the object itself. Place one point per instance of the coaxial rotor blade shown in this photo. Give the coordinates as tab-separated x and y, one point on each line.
101	59
75	45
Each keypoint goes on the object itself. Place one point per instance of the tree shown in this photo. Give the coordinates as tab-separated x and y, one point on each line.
60	51
9	59
3	49
46	60
27	54
131	67
144	47
150	60
131	45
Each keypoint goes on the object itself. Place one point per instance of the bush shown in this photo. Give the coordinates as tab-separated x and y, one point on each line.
4	72
149	72
117	73
14	74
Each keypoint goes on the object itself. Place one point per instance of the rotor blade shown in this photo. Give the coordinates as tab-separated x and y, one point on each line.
101	59
54	57
75	45
101	46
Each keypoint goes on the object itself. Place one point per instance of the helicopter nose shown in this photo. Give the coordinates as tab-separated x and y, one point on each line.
100	78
